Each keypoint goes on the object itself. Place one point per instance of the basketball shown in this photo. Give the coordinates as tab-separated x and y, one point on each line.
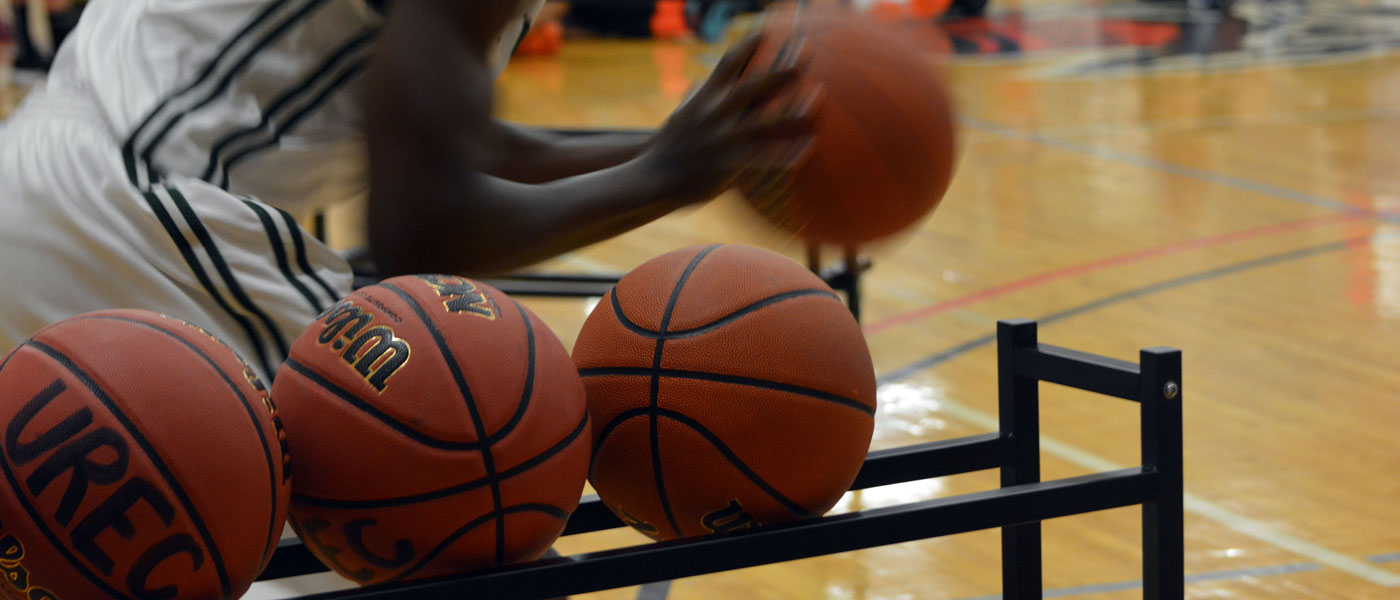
730	388
142	459
439	427
885	143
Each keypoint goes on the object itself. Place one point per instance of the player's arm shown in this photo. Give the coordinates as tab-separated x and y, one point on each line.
552	155
434	208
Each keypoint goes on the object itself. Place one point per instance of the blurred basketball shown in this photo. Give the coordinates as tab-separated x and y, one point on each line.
885	134
729	387
439	427
142	459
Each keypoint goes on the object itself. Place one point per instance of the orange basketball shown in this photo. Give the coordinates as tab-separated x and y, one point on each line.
885	142
142	459
438	426
729	388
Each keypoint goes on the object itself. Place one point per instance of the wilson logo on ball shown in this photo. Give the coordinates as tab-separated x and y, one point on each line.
461	295
75	457
374	352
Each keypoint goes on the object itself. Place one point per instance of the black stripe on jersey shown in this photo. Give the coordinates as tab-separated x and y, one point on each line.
524	31
279	251
187	251
268	25
129	147
202	234
268	127
221	85
345	77
300	246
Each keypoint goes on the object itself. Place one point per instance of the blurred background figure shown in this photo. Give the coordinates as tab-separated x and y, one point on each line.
39	26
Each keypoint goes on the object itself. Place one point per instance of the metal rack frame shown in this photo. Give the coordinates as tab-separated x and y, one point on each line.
1017	507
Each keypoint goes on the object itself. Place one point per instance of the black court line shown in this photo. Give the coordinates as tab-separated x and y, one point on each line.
938	358
1155	164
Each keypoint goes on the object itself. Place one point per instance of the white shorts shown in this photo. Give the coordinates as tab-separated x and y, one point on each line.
77	236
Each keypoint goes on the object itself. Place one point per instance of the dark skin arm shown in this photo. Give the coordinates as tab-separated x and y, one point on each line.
527	155
433	205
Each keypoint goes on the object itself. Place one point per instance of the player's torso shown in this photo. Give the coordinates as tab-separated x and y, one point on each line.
257	96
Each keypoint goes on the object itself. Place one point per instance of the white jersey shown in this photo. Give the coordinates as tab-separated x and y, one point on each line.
165	163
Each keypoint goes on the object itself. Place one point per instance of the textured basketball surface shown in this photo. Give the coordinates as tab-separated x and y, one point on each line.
884	152
729	388
439	427
142	459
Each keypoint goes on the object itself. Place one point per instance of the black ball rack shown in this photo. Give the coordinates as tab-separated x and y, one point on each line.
1017	507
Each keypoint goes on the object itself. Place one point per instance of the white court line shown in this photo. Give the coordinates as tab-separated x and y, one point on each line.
1194	504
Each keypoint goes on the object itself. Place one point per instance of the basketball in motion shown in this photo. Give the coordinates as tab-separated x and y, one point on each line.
441	428
729	388
143	459
885	145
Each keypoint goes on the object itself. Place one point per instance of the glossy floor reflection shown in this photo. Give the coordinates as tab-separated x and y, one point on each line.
1132	175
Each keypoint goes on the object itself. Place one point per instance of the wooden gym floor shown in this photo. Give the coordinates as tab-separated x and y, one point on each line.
1131	176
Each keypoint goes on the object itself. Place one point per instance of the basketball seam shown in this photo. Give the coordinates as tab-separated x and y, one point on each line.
39	520
528	392
718	322
460	379
247	407
656	384
320	380
530	463
215	556
714	441
730	379
547	509
607	430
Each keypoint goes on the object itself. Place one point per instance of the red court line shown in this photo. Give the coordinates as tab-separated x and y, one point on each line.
1099	265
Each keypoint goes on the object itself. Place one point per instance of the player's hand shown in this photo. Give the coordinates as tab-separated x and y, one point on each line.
742	122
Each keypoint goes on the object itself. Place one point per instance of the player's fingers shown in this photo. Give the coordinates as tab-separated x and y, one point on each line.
792	53
736	60
756	91
780	127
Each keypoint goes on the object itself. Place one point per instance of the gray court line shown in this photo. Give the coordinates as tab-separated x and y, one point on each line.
1220	122
1194	504
1119	586
1392	557
654	591
1171	168
927	362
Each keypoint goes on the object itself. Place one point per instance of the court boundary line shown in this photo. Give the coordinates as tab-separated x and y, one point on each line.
1228	575
1194	504
1125	259
1164	166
